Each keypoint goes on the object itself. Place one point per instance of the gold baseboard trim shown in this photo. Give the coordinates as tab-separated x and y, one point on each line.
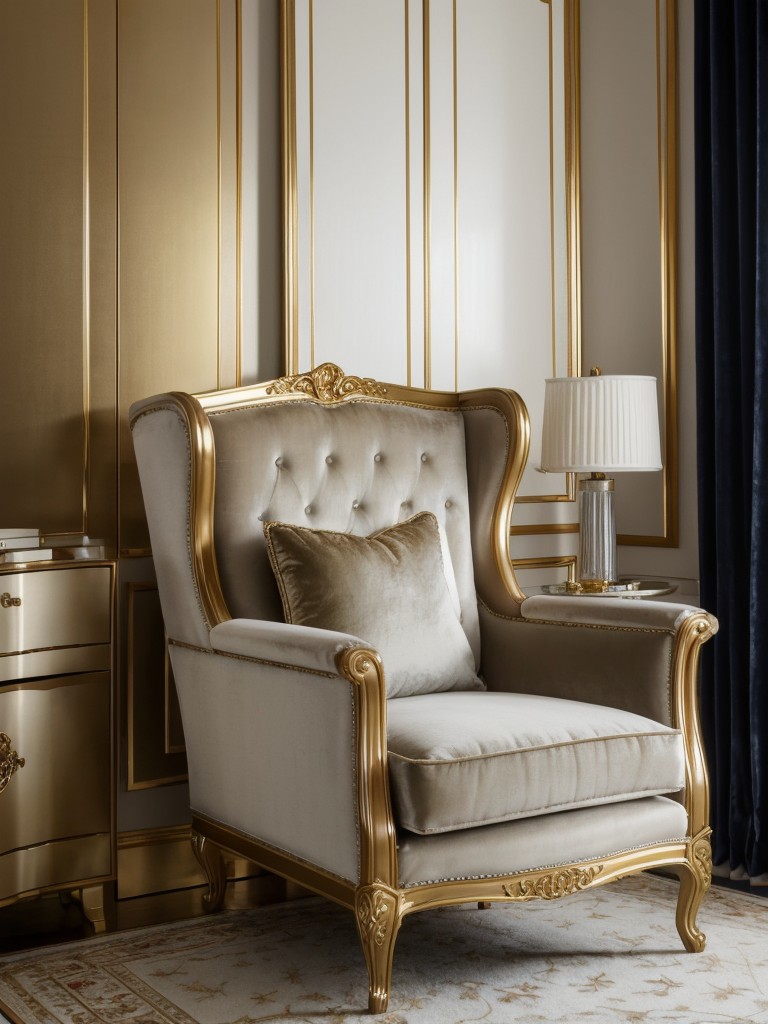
299	874
160	860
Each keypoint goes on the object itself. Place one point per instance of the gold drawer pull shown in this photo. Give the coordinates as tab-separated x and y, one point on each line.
9	602
9	760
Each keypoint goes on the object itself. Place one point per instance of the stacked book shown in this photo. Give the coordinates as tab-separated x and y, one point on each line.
19	544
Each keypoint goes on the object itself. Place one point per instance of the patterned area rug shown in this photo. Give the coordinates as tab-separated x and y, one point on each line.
606	956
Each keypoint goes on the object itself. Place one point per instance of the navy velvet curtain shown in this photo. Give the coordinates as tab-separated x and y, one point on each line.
731	103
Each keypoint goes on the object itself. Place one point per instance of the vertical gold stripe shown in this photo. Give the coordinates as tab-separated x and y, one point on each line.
661	151
571	85
86	271
312	180
290	203
218	194
427	210
669	290
666	118
552	190
407	193
118	299
660	148
455	205
573	185
239	194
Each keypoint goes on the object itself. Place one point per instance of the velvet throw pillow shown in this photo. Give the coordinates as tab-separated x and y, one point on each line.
389	589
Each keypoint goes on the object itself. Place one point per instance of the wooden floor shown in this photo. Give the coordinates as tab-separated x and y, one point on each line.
47	920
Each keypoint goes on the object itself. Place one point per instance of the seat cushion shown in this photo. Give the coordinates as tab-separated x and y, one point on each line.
389	589
457	760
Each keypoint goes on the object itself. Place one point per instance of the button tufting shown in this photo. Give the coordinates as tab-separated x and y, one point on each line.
308	510
279	461
405	504
329	459
377	457
448	503
424	456
355	504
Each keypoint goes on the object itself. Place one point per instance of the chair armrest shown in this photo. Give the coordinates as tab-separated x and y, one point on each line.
619	652
601	611
641	656
282	644
285	728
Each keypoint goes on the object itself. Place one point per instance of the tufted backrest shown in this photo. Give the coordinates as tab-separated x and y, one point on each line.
355	467
331	452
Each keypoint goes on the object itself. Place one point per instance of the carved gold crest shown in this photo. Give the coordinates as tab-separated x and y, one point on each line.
327	383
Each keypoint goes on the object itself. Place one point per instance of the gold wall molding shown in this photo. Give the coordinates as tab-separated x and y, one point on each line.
667	104
537	529
152	860
86	269
427	192
567	562
630	252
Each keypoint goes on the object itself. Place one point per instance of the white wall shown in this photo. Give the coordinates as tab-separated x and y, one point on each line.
620	254
683	561
622	305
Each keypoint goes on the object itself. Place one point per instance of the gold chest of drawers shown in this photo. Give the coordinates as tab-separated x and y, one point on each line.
57	816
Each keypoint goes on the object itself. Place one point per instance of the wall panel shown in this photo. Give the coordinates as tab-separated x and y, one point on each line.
168	195
357	184
629	242
43	262
431	200
101	228
498	183
123	178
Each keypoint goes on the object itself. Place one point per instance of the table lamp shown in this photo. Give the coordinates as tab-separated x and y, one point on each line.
599	425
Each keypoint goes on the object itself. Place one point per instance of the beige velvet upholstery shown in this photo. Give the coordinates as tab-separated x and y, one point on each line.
458	760
579	762
390	589
367	468
545	841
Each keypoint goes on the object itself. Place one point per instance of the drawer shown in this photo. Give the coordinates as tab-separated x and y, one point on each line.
61	865
60	607
62	729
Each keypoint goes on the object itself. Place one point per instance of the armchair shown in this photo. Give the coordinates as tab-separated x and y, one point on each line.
564	754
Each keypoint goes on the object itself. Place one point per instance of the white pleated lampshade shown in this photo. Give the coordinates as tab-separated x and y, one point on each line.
600	424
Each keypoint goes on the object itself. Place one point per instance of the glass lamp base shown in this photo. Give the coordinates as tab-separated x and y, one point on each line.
597	535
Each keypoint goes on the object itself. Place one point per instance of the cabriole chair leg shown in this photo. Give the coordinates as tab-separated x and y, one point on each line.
695	878
211	861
